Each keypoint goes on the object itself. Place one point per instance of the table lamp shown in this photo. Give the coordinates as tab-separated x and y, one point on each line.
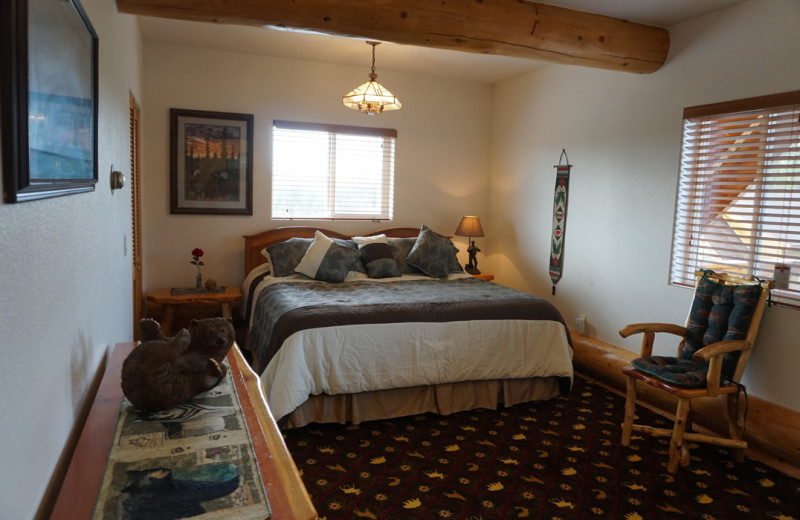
469	227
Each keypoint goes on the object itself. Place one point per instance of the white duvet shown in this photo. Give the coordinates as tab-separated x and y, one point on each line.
360	358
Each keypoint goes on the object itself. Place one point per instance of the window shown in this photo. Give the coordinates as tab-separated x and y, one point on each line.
738	207
332	172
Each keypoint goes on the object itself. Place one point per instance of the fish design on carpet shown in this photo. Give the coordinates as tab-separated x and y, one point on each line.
669	509
454	494
561	503
350	489
634	486
734	491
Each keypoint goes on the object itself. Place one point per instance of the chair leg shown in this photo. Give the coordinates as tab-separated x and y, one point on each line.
676	448
735	427
630	409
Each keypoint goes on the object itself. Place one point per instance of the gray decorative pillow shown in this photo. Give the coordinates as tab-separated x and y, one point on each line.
401	247
358	266
284	256
432	254
326	260
379	260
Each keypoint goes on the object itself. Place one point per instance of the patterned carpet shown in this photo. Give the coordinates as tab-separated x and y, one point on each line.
557	460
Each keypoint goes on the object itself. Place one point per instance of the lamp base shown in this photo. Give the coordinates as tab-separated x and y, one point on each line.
471	269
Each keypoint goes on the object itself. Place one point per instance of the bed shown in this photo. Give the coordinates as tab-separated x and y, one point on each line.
405	331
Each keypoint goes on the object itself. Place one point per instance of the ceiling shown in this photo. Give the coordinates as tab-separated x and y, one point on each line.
406	58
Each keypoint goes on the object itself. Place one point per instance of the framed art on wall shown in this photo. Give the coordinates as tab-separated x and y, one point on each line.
211	162
49	96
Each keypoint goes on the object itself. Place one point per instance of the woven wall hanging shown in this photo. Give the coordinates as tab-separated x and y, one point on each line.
559	219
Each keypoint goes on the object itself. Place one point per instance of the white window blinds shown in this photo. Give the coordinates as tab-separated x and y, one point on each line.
738	206
332	172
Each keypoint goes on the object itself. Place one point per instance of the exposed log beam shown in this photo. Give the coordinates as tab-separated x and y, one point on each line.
514	28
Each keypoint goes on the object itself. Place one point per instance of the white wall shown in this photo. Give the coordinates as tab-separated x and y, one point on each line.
65	291
622	133
442	156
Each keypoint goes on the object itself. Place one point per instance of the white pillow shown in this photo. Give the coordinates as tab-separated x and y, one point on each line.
326	260
314	256
374	239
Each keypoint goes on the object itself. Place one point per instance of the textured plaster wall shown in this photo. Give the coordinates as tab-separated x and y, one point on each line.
65	289
622	133
442	155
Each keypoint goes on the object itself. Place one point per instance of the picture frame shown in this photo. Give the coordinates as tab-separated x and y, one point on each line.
50	99
211	162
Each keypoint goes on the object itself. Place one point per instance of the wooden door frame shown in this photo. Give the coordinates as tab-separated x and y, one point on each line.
136	224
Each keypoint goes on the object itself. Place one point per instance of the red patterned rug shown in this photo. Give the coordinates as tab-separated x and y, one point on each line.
555	460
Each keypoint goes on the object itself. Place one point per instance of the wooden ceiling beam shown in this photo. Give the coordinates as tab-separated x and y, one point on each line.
516	28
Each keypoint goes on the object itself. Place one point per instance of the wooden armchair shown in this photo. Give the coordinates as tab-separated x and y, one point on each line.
715	346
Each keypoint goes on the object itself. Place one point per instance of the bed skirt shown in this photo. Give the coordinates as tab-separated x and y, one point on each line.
442	399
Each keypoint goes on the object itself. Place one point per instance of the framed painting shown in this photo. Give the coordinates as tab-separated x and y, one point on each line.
49	96
211	162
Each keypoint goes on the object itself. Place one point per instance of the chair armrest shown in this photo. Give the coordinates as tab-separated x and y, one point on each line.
649	330
719	348
638	328
713	354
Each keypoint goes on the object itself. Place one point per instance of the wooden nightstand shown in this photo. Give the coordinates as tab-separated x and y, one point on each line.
484	276
169	301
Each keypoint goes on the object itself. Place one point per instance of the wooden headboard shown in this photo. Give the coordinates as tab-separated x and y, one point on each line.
253	244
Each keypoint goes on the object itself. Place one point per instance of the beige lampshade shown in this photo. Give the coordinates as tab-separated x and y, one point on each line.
469	227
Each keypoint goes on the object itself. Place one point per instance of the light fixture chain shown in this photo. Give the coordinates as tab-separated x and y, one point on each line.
373	58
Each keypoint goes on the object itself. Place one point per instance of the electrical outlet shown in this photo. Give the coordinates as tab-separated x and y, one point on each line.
580	324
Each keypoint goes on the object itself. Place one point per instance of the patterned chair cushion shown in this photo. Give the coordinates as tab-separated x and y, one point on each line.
719	313
679	372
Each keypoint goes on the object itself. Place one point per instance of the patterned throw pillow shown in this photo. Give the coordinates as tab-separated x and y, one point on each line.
400	249
377	256
326	260
284	256
379	261
432	254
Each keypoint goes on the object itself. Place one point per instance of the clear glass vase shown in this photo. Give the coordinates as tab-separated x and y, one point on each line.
198	281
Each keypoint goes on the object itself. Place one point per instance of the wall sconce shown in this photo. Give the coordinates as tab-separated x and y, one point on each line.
469	227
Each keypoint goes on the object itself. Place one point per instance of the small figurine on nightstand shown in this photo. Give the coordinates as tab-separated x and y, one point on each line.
472	265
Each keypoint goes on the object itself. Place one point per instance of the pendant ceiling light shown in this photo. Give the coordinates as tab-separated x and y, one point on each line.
371	97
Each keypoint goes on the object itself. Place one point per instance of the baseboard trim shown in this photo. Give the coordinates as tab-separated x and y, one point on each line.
60	471
773	432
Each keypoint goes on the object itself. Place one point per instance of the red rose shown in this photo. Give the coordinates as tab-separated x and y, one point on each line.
197	252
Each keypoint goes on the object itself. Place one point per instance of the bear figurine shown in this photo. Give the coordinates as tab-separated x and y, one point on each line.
162	373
